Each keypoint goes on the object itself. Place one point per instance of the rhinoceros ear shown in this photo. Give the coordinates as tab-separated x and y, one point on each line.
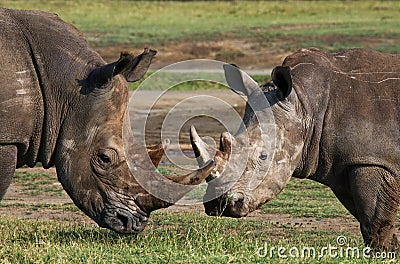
239	81
131	67
282	79
134	68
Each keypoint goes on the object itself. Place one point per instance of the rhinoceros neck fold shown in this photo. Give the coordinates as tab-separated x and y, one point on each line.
60	57
312	111
58	100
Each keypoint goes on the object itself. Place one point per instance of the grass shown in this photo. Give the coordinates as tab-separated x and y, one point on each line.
306	198
38	206
278	24
175	78
281	26
182	237
170	237
35	183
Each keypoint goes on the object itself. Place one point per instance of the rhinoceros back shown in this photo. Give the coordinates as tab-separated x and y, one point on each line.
353	96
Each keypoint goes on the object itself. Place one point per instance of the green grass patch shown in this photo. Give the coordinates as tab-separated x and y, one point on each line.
162	82
306	198
170	237
274	23
35	183
184	237
164	170
38	206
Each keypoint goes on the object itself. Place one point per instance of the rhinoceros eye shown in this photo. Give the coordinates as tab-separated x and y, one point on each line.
263	156
106	157
103	160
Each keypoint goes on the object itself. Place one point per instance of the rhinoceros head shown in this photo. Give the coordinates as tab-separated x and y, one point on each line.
92	150
253	166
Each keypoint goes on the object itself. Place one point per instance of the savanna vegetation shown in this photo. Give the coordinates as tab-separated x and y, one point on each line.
177	236
282	24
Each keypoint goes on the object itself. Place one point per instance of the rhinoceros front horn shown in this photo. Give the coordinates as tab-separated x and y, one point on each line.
173	189
204	152
161	191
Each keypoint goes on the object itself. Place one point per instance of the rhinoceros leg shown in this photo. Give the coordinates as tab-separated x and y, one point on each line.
347	200
376	195
8	162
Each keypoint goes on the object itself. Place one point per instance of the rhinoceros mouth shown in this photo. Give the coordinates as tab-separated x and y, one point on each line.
231	205
124	221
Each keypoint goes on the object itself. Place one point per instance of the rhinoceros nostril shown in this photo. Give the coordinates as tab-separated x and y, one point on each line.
235	197
238	205
125	220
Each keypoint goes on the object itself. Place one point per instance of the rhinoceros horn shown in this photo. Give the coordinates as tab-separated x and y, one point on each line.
156	152
244	85
204	152
161	191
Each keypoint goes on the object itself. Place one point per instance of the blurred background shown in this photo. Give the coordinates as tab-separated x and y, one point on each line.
255	35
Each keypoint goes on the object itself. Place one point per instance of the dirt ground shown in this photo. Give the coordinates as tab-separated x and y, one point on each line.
18	203
250	54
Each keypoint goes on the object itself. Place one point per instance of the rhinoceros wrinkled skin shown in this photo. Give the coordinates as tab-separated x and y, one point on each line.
337	118
63	106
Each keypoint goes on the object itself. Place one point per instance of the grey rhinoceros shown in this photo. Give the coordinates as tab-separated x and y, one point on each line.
63	106
337	118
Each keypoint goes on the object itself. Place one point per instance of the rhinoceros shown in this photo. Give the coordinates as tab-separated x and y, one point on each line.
61	105
337	122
